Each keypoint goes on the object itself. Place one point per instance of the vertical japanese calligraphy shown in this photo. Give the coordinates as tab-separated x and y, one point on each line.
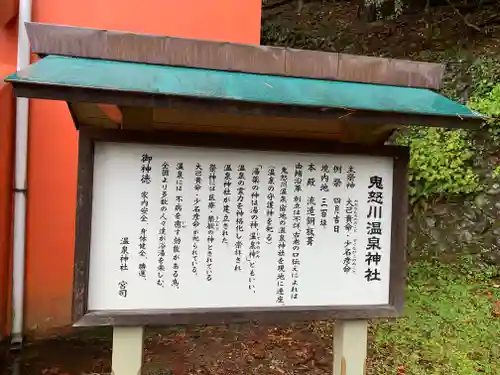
348	227
213	228
124	254
336	178
124	257
324	189
226	202
146	169
350	224
144	212
176	246
254	240
211	220
375	203
351	230
337	200
351	177
162	231
311	206
240	194
122	289
196	218
143	239
349	210
280	277
270	205
296	230
354	252
325	178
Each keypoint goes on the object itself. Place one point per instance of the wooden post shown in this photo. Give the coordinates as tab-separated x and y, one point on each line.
350	342
127	350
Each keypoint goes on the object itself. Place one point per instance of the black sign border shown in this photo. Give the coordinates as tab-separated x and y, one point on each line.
81	316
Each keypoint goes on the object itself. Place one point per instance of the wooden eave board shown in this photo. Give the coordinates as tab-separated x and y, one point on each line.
48	39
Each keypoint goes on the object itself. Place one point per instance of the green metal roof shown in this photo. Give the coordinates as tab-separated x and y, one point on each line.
214	84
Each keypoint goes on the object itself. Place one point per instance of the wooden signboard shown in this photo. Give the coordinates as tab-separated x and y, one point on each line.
178	230
223	227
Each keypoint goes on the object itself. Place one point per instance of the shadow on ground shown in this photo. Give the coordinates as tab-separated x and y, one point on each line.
234	350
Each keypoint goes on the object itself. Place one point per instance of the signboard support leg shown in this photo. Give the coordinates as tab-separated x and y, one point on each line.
127	350
350	342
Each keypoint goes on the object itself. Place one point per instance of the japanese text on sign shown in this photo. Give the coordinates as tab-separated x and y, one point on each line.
199	227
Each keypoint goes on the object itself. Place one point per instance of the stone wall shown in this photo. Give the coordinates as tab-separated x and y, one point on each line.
450	227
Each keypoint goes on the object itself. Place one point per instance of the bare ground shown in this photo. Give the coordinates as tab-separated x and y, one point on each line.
228	350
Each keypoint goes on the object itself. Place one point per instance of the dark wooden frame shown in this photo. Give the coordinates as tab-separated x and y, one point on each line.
72	94
46	39
83	317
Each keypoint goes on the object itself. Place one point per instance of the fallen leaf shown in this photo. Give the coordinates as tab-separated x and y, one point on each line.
496	309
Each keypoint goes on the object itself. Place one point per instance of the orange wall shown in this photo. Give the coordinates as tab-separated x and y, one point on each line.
6	182
8	50
53	141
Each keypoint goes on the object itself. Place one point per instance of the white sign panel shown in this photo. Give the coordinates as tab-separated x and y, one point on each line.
180	227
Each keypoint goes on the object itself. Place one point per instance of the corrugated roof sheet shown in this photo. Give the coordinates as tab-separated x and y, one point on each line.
236	86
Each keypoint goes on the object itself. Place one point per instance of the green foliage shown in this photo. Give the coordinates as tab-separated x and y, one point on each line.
484	74
441	162
450	326
489	104
496	171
